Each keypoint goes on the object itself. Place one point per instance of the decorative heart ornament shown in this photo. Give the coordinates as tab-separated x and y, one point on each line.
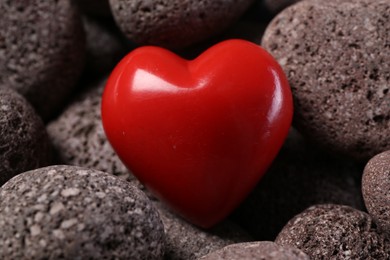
198	134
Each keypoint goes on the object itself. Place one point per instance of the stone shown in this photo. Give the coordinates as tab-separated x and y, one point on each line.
24	143
331	231
42	51
175	23
335	54
70	212
376	190
185	241
265	250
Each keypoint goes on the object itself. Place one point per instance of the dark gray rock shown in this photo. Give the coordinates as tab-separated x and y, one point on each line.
335	232
376	190
79	139
24	143
335	54
264	250
175	23
185	241
69	212
41	51
275	6
300	176
105	46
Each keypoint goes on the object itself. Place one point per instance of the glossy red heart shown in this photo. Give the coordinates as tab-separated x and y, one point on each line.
199	134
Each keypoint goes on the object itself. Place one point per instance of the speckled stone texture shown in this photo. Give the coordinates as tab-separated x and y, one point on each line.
41	51
264	250
300	176
186	242
79	139
335	54
105	46
24	143
175	23
68	212
376	190
335	232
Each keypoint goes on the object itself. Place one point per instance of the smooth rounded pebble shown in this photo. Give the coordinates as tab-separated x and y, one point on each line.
42	51
376	190
24	143
335	54
264	250
185	241
175	23
335	232
301	176
69	212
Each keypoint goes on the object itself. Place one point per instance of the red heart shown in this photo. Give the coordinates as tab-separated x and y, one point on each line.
199	134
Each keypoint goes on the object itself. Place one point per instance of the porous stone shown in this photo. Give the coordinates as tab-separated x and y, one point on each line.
69	212
41	51
335	54
175	23
376	190
24	143
185	241
265	250
335	232
300	176
78	136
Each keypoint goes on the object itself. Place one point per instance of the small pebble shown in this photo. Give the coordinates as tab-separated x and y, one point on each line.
185	241
264	250
335	54
376	190
42	51
331	231
175	23
24	143
56	213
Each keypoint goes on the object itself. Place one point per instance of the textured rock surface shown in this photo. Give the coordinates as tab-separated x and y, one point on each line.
175	23
335	54
68	212
335	232
376	190
79	139
264	250
185	241
300	176
24	143
41	51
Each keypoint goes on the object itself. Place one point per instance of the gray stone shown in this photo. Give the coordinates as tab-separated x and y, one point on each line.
185	241
175	23
41	51
264	250
335	54
300	176
69	212
376	190
335	232
24	143
79	139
